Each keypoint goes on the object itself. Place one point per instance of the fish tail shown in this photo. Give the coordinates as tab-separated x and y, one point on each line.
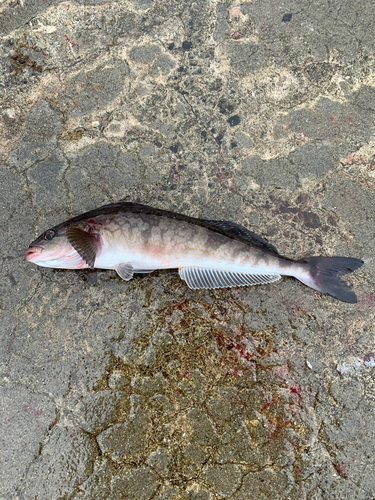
324	275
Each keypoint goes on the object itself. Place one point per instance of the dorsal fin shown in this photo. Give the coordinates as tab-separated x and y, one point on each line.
242	233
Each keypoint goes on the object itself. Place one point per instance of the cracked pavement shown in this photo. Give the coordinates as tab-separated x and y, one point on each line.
257	112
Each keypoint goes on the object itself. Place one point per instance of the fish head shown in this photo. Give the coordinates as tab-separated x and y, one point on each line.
52	249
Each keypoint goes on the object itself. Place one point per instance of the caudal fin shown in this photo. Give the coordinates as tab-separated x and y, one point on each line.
325	276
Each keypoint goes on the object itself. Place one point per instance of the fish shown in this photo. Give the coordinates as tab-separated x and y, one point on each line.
132	238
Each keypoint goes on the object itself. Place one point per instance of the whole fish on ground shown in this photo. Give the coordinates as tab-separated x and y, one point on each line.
133	238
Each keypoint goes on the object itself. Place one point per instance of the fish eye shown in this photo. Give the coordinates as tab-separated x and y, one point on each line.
48	235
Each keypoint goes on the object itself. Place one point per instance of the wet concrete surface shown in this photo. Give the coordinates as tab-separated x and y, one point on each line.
257	112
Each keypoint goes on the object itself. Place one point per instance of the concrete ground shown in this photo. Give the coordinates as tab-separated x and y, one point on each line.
259	112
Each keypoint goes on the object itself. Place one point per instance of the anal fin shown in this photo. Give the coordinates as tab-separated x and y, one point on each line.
200	277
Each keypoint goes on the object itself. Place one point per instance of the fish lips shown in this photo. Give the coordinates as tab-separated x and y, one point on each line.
33	252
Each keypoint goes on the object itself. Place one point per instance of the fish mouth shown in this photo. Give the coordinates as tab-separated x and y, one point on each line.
32	252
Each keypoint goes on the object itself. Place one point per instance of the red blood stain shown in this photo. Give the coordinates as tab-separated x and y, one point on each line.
25	407
367	299
38	412
237	401
72	42
7	421
236	35
278	424
295	390
235	373
182	305
341	468
222	174
268	405
353	159
332	118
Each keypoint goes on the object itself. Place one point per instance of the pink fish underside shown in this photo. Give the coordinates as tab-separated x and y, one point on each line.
142	243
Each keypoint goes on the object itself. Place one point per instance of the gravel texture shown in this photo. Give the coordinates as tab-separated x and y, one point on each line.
258	112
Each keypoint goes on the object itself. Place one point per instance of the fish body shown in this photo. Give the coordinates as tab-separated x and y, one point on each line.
132	238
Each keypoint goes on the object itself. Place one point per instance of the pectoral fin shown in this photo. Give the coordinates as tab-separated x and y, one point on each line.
125	271
84	244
